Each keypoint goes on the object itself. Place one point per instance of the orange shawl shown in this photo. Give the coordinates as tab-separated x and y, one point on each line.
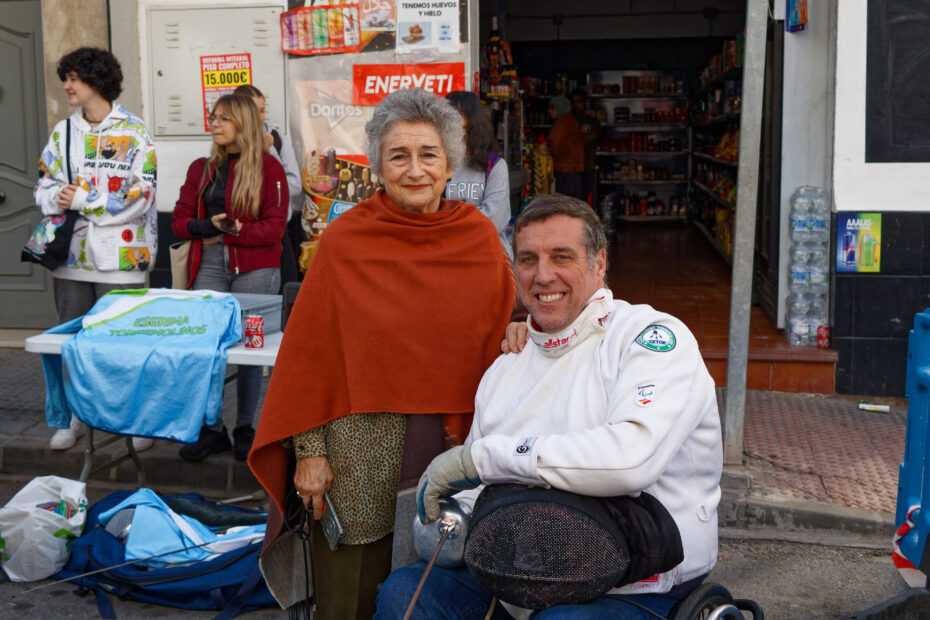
400	312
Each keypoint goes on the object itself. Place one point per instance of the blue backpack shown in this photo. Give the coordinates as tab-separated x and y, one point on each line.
230	582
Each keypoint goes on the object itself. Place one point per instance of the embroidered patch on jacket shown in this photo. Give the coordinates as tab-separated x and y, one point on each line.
645	394
657	338
525	446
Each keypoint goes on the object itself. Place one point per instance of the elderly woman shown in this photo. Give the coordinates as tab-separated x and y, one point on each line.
402	310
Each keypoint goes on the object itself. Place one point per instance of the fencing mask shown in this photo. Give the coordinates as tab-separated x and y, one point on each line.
536	548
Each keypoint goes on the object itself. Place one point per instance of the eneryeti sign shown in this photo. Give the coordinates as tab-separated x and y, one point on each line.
372	83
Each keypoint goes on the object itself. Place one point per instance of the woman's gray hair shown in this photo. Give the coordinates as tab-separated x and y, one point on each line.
414	105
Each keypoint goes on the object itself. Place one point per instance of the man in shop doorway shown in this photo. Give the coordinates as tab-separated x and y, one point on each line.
567	146
590	129
606	399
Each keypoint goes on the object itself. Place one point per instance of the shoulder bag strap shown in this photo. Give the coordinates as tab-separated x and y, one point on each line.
68	148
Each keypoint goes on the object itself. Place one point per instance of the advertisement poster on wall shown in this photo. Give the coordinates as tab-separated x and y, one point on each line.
333	95
432	24
220	75
858	242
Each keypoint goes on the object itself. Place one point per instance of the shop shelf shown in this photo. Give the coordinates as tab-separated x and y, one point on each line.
730	74
641	153
665	96
651	218
704	231
647	126
717	120
718	199
716	160
630	182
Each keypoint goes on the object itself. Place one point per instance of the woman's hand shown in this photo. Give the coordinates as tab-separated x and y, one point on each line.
515	337
311	477
228	226
66	195
269	140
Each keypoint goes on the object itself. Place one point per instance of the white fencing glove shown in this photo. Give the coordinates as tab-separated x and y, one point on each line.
453	470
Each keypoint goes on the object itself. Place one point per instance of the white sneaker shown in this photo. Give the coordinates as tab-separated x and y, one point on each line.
141	444
65	438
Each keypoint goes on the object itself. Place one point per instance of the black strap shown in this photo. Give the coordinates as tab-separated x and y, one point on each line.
68	149
277	140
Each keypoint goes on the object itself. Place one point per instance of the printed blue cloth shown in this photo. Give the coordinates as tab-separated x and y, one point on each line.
144	362
157	530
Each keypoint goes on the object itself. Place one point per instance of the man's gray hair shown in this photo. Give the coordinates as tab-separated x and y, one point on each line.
550	205
414	105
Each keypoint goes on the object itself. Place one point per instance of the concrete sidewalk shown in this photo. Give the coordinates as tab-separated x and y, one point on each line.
814	465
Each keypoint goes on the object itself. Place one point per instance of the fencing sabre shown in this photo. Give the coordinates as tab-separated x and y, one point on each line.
106	568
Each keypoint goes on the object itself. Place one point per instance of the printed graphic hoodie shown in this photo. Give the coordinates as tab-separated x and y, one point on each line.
113	164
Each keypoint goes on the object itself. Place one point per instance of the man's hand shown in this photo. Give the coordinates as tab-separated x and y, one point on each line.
453	470
269	140
515	337
66	195
311	477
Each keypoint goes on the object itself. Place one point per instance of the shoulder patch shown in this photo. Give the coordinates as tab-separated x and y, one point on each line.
657	338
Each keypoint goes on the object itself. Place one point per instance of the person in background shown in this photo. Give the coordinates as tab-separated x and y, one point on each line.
233	205
567	145
279	145
482	179
590	129
111	187
362	397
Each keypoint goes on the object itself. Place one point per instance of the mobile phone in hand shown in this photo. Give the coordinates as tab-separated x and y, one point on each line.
332	529
227	225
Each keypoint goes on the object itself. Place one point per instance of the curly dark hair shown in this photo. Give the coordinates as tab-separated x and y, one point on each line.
97	68
479	139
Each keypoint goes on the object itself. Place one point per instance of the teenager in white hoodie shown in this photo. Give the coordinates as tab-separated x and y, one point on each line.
100	162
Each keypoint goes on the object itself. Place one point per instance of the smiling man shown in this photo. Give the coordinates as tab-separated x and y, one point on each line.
608	400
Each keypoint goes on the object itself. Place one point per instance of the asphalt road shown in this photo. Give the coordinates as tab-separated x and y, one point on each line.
836	578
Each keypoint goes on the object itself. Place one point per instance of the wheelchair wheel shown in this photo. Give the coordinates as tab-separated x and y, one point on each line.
702	601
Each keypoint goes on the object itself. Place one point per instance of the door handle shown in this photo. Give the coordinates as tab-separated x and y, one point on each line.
2	196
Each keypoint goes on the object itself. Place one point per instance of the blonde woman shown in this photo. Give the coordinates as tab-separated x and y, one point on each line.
233	206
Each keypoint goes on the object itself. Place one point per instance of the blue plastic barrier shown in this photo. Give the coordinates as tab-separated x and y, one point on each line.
914	473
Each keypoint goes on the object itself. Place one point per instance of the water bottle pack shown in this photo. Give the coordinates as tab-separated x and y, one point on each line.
808	266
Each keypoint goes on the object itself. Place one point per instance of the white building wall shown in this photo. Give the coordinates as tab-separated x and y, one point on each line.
807	118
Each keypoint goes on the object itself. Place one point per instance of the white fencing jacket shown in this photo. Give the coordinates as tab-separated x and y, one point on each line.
617	403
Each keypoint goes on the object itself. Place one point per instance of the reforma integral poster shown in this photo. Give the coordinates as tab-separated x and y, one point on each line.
858	242
221	75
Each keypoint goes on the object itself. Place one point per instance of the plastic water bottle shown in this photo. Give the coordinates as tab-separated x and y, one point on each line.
799	215
819	216
799	269
816	317
796	315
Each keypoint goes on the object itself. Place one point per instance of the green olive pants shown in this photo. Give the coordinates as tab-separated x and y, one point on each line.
347	579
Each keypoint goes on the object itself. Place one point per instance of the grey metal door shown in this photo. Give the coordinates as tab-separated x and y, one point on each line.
25	288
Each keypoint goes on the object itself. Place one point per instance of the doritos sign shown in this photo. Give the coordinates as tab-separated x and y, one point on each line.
372	83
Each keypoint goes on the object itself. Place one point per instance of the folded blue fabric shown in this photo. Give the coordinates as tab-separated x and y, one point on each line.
146	362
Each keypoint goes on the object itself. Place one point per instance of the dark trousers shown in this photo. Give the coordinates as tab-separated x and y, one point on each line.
346	580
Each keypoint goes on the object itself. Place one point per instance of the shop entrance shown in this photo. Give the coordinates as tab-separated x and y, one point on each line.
663	171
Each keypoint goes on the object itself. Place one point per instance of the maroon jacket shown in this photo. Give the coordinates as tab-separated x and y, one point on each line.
258	244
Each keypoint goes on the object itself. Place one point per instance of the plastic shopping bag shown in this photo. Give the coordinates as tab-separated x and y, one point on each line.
37	525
